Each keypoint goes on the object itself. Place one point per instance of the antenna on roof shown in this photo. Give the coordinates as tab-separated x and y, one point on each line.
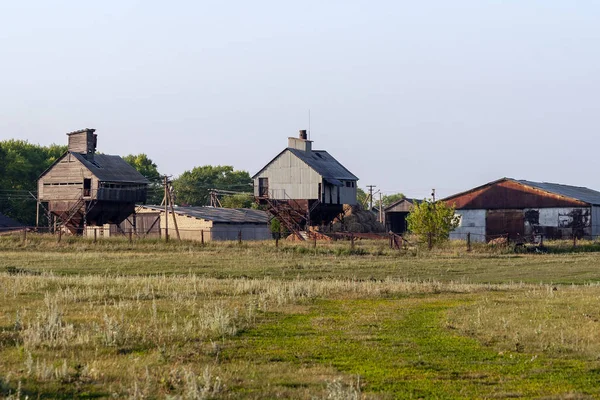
309	124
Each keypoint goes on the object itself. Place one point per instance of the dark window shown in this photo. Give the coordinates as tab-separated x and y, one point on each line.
87	187
348	184
263	187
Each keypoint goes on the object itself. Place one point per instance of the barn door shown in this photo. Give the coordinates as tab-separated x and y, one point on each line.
263	187
502	222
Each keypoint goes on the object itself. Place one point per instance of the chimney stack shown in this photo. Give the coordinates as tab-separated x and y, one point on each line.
84	142
301	142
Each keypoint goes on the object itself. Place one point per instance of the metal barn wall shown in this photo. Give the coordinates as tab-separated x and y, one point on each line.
595	221
290	178
348	194
192	228
556	223
249	231
471	221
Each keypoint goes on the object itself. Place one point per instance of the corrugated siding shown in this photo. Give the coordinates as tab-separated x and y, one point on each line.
561	222
595	221
289	177
472	221
249	232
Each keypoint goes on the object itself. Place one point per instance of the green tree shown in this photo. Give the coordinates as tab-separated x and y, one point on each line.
238	201
145	166
21	164
192	187
390	199
362	198
432	221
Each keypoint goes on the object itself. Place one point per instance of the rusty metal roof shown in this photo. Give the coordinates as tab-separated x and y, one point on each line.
109	168
324	164
221	215
575	192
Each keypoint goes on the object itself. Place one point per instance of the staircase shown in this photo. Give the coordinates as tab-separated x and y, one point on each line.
287	215
74	218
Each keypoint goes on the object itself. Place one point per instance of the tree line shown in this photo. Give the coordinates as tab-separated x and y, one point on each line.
21	164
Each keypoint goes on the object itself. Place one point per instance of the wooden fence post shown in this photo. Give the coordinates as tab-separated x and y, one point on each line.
468	241
130	237
95	235
352	241
574	240
24	235
59	235
430	240
240	236
202	236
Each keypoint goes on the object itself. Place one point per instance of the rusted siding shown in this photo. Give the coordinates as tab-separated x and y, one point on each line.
505	222
510	195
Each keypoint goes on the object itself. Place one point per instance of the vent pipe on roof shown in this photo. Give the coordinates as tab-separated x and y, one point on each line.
301	142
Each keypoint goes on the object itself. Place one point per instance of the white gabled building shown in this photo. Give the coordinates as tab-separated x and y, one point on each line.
314	181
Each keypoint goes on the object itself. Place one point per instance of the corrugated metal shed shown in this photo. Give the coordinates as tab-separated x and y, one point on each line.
221	215
575	192
111	168
513	193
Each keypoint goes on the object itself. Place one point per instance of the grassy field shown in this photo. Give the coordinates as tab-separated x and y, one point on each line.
152	320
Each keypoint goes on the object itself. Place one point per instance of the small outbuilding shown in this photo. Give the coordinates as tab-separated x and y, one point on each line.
193	223
523	209
395	215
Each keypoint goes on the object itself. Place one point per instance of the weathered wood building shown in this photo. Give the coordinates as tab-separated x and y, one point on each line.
312	182
85	188
395	215
522	209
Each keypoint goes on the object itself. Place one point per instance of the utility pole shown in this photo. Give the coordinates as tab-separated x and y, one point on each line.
166	201
371	196
173	212
380	208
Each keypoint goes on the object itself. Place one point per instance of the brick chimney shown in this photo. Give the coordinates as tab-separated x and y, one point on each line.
301	142
83	141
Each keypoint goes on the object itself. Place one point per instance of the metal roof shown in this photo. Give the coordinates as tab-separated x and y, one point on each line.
6	222
109	168
406	199
575	192
221	215
324	164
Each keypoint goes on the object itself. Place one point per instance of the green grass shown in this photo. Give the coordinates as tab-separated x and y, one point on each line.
400	348
369	260
150	320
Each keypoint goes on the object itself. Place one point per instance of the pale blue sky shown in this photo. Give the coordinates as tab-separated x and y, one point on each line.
409	95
